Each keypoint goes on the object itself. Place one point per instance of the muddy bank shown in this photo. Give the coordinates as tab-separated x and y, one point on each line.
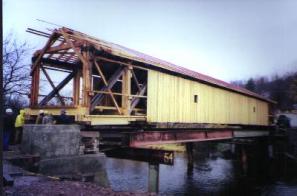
40	185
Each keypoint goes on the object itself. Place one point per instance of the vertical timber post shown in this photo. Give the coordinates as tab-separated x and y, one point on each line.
87	76
76	88
35	86
153	181
126	90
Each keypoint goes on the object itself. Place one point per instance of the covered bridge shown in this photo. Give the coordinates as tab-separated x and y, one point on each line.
113	85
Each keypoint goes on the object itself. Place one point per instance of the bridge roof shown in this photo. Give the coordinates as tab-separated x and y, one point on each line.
124	52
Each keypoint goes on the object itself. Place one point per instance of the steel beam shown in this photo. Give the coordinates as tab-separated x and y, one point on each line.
141	139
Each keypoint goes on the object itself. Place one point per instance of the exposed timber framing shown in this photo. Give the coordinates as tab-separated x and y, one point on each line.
126	89
136	80
52	84
103	86
98	97
51	40
46	99
106	85
136	100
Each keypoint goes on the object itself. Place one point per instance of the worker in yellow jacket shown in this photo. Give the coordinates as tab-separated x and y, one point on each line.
19	123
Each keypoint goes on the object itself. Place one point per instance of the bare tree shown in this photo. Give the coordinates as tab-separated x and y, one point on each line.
16	74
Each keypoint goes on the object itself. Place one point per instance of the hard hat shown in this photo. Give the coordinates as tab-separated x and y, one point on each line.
8	110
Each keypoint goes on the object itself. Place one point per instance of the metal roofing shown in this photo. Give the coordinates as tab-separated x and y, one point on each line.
124	52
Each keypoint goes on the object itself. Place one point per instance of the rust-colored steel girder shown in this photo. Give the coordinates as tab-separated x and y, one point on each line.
140	139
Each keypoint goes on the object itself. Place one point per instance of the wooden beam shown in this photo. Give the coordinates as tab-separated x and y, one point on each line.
106	84
119	94
51	54
52	84
126	89
135	80
87	78
119	62
76	88
35	88
69	42
57	89
50	41
111	82
101	73
62	47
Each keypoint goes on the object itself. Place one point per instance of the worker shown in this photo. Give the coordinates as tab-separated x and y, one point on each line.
8	126
39	117
48	118
19	123
63	118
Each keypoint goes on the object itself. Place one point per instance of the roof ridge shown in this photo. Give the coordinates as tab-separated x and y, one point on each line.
154	61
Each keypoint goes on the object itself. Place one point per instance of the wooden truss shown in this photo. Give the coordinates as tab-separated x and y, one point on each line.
102	83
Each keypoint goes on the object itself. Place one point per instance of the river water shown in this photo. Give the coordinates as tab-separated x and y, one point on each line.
249	170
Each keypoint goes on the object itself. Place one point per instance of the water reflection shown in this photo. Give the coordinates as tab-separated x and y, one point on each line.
249	172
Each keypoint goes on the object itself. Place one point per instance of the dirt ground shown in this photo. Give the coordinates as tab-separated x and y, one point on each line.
35	186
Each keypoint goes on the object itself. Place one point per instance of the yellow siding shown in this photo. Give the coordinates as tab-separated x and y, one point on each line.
171	99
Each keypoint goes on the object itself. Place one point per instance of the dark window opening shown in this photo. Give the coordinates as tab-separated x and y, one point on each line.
195	98
254	109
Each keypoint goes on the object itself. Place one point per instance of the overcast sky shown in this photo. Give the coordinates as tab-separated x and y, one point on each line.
229	40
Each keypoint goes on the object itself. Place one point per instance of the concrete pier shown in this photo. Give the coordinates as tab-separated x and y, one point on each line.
80	166
58	147
49	141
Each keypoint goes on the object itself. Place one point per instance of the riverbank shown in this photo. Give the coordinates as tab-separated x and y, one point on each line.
40	185
20	181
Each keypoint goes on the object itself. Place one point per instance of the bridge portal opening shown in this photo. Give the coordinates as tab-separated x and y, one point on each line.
85	76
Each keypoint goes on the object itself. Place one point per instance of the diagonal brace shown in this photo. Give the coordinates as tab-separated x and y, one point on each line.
52	84
136	100
106	84
46	99
111	82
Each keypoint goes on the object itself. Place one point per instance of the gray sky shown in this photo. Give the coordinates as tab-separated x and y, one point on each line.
226	39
